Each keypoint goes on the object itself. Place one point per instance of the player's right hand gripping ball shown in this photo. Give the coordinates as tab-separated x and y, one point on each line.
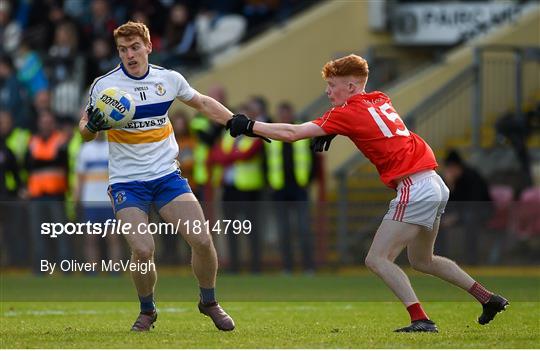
96	120
322	143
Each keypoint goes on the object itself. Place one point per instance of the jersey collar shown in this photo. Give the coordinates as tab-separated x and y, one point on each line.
133	77
370	96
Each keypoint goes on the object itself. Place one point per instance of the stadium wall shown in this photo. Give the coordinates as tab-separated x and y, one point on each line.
285	63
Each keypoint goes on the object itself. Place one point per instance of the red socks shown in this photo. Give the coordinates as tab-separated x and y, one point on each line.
477	290
416	312
480	293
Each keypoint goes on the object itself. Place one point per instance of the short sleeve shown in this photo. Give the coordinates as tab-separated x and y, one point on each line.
183	90
93	93
335	121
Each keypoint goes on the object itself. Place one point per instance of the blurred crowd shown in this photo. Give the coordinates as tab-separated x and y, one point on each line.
51	50
50	175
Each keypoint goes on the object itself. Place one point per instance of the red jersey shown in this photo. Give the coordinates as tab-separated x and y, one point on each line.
370	121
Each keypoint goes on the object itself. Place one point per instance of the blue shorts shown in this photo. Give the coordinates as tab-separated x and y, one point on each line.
142	194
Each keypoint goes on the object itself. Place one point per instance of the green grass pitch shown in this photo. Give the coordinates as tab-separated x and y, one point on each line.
271	311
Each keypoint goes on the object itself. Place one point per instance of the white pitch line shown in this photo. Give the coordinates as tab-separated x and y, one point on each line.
160	310
83	312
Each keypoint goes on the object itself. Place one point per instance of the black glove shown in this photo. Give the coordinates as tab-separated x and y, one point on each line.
240	124
322	143
96	120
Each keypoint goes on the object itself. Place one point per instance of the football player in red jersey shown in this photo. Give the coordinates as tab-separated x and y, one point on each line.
405	163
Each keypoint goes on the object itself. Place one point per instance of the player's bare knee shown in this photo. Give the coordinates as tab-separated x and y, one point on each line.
202	244
372	262
143	253
424	265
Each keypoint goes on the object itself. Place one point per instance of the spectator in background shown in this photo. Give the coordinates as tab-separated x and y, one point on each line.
153	10
180	40
12	216
91	195
217	34
74	141
206	134
47	165
101	60
66	70
258	109
45	16
101	21
259	11
11	93
290	168
171	246
9	175
15	137
469	204
30	70
155	38
517	130
63	52
42	102
186	144
31	75
76	8
240	164
10	30
14	232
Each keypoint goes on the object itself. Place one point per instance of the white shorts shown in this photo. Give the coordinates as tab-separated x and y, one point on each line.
421	199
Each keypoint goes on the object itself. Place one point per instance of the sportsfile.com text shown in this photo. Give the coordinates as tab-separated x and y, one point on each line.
113	226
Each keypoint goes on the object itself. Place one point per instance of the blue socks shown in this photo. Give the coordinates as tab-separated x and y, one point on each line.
147	304
207	295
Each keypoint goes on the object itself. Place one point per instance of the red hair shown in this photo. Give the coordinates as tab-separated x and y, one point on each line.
352	65
132	29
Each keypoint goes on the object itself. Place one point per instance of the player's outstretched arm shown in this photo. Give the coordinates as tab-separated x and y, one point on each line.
208	106
241	124
288	132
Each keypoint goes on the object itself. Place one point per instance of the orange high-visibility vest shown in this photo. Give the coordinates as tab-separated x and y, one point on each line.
48	180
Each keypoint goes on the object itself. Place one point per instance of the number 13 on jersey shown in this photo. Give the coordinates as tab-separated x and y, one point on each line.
393	117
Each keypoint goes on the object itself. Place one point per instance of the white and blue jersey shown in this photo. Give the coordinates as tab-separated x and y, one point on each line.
146	148
142	156
93	165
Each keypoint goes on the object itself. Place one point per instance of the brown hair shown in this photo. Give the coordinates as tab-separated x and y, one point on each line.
352	65
133	29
